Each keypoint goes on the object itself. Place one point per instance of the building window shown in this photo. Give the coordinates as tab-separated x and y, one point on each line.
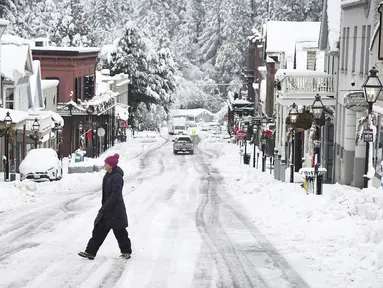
311	60
362	46
89	87
347	48
354	48
343	48
367	51
9	98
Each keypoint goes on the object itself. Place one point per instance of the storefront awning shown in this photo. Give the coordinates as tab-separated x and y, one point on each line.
18	117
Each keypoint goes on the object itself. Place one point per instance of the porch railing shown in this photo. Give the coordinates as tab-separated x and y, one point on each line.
292	84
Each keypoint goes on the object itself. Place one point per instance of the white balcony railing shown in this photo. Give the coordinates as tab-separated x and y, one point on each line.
318	82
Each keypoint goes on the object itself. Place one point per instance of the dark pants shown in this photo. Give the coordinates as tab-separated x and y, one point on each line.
99	234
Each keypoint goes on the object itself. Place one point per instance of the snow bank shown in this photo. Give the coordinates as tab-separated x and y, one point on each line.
16	194
333	240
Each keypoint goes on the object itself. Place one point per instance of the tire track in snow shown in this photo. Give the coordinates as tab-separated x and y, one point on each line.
232	271
265	250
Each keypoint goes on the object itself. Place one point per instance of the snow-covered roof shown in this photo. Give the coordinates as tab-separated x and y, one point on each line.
13	60
4	22
241	101
102	81
57	118
16	115
306	44
101	98
16	40
256	35
49	83
122	111
334	12
190	112
69	49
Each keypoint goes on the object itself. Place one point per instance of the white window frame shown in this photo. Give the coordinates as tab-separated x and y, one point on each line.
5	101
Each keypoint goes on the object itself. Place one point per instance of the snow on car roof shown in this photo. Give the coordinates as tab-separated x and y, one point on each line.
42	152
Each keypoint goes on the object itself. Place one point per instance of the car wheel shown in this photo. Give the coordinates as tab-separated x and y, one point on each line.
174	152
61	175
191	152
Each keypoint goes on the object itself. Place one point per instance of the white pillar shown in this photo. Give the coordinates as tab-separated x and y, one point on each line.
3	26
284	113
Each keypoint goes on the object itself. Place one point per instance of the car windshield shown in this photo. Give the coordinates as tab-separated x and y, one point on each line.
184	140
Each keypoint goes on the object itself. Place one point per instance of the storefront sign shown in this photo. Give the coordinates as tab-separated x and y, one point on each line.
355	101
304	121
368	136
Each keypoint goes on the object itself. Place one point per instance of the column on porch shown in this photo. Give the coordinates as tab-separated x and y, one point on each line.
349	148
359	159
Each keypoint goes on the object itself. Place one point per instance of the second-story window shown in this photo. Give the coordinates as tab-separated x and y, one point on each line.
367	50
347	48
362	48
354	48
311	60
9	98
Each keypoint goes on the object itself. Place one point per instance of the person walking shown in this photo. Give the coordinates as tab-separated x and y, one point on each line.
112	215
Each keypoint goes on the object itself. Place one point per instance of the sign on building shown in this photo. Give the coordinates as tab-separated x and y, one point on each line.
368	135
355	101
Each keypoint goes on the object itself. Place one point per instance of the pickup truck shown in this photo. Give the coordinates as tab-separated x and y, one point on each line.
183	144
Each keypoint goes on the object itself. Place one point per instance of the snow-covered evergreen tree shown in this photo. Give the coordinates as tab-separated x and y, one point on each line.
151	72
313	10
8	9
72	27
288	10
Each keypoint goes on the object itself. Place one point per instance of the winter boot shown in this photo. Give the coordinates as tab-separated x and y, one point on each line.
125	255
86	255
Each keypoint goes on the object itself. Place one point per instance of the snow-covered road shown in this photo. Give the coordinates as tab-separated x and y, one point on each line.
186	231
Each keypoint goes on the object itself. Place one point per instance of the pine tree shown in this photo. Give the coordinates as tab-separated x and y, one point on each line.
151	73
72	27
8	9
313	10
288	10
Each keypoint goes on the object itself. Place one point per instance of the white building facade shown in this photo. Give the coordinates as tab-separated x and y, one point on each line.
356	31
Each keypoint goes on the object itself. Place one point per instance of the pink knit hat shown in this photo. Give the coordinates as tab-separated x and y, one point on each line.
112	160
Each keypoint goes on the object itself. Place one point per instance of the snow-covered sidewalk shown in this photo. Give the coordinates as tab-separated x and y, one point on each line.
333	240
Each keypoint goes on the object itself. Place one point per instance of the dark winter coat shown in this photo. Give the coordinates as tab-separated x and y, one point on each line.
113	212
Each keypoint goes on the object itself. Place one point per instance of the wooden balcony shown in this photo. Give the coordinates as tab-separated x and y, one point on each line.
302	86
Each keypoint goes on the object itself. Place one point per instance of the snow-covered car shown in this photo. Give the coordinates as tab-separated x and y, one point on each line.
41	165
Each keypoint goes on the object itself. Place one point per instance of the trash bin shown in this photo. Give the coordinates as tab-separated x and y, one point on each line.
246	159
78	156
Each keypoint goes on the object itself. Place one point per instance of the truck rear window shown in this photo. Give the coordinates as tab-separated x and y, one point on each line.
184	139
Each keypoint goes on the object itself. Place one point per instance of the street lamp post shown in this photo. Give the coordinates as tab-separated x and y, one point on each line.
70	107
8	124
293	114
118	127
263	143
317	109
371	88
35	129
